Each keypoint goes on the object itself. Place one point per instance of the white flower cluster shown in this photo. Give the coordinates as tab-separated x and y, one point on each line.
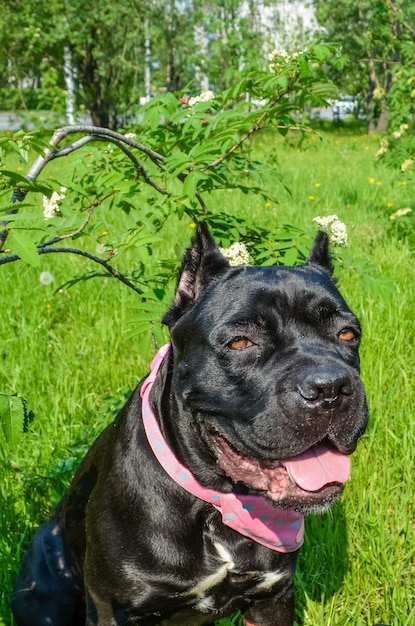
401	131
51	205
379	93
384	145
400	213
237	254
280	53
280	57
205	96
406	165
335	227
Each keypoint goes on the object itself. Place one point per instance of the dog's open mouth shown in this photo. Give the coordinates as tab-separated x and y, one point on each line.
313	475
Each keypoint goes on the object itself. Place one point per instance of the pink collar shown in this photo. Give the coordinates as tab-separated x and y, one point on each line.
252	516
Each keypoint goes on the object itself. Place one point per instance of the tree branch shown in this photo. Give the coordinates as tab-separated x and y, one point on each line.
139	168
106	133
384	61
409	27
115	273
250	132
44	248
90	210
96	133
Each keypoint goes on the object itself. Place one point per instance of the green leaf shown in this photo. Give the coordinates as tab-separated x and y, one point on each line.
15	178
24	217
22	151
22	244
303	66
191	182
5	200
268	262
290	257
12	417
322	90
178	163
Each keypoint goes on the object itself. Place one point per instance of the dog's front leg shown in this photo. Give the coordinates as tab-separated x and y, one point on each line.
269	613
98	612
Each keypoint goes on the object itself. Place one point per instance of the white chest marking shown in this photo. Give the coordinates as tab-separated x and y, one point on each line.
269	579
218	576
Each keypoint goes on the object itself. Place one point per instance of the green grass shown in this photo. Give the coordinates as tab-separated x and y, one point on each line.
71	356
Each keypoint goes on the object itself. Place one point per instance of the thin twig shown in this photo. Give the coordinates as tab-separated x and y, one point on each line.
385	61
250	132
90	210
115	273
409	27
202	203
139	168
45	248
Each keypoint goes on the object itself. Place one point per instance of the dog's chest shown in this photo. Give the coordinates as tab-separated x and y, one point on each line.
232	574
225	577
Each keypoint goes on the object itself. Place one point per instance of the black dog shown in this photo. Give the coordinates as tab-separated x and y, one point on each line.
250	420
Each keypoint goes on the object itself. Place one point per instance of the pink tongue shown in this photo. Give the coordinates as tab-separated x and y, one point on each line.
318	466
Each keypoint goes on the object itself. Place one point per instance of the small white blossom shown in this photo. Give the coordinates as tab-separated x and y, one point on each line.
279	52
205	96
378	93
46	278
51	205
406	165
130	135
400	213
401	131
335	227
101	248
237	254
384	145
280	57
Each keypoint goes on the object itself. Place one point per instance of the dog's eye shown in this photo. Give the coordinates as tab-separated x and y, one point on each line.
239	343
347	334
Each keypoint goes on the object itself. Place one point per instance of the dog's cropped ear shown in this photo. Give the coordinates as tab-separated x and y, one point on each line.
320	252
202	262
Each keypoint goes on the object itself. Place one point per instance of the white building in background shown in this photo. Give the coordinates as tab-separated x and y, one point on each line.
287	24
292	23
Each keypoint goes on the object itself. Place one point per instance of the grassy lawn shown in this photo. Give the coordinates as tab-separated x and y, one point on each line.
71	354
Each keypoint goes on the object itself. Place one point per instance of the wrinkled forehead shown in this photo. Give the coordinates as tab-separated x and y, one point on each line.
287	290
266	300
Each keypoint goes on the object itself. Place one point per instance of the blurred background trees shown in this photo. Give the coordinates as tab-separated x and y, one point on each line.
102	59
378	41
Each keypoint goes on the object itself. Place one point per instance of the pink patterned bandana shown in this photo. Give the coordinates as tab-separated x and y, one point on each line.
252	516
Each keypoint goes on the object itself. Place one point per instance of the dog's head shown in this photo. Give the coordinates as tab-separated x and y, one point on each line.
266	376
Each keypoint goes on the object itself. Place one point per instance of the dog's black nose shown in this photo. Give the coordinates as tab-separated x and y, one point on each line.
326	386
